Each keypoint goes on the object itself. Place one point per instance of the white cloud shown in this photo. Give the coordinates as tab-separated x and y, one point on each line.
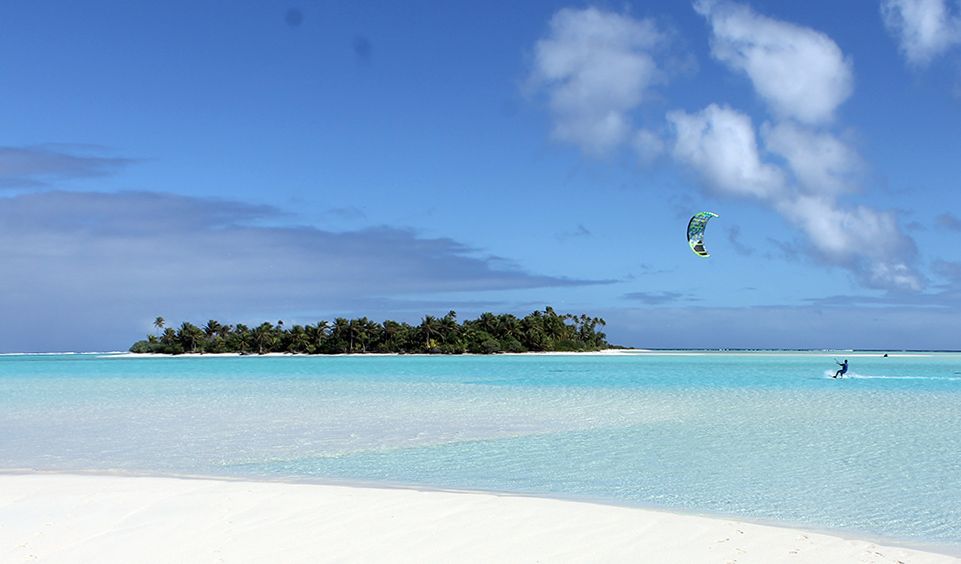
720	144
821	163
801	73
924	28
866	241
886	274
596	67
840	234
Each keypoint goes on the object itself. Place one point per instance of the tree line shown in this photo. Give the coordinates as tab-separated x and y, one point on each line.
539	331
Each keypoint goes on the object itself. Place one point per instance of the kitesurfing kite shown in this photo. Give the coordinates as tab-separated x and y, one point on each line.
695	232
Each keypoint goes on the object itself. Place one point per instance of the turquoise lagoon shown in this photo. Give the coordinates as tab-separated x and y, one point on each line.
758	436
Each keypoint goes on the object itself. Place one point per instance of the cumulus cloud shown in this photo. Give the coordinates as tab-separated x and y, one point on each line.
821	163
720	143
35	166
596	67
924	28
838	233
868	241
78	262
801	73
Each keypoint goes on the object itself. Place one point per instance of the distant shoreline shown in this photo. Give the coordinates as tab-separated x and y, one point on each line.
604	352
866	353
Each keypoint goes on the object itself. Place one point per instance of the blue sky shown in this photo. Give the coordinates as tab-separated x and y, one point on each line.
247	161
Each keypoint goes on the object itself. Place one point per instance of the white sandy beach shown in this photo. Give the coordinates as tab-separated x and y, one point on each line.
87	518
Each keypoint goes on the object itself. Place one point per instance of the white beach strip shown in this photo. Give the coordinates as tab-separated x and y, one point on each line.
105	519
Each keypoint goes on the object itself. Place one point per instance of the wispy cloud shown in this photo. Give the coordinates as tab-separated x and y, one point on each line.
71	257
579	232
734	237
650	270
38	165
363	50
924	28
348	213
659	298
951	271
950	221
944	293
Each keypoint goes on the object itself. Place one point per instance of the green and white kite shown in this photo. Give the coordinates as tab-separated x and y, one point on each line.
695	232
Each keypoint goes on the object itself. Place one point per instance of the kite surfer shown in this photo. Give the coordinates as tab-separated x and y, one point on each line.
843	370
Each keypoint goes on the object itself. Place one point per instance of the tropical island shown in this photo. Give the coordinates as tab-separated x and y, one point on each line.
539	331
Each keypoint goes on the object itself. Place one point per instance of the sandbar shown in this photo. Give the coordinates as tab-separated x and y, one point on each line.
108	518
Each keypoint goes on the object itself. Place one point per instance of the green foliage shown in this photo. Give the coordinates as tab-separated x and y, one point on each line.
539	331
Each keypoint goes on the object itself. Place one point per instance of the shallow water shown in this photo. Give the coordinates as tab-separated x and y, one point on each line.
760	436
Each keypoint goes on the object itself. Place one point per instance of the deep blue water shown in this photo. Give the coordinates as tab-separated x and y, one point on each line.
756	435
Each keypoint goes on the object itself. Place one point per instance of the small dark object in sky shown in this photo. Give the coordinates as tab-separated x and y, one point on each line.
294	17
362	48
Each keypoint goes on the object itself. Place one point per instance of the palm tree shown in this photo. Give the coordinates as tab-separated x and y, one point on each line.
450	332
224	331
319	337
299	341
264	337
189	335
339	335
159	323
532	329
393	334
242	336
355	332
487	323
169	336
507	325
428	328
212	328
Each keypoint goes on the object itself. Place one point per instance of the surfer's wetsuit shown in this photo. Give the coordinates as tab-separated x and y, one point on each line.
843	370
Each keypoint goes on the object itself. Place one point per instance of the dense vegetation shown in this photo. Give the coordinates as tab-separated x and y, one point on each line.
537	332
